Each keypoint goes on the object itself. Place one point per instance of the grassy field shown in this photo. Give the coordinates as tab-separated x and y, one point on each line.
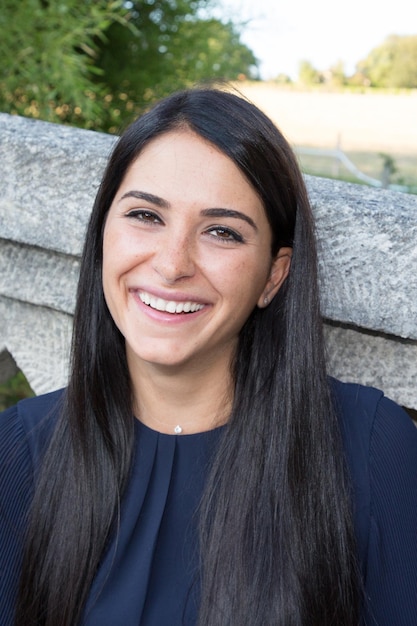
363	125
370	163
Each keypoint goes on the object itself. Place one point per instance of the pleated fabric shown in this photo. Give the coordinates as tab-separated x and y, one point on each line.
149	573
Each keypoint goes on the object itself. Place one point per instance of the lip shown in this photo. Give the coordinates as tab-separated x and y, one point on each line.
172	307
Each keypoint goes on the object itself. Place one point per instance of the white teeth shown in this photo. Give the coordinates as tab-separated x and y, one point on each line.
145	297
158	304
170	306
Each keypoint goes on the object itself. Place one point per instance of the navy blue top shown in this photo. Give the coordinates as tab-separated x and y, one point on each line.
147	577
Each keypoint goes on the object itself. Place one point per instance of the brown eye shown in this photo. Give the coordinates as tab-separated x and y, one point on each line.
225	234
143	215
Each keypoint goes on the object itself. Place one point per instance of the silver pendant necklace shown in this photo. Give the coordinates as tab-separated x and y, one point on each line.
177	429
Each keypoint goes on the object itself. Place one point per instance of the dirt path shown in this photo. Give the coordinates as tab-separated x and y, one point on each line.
365	122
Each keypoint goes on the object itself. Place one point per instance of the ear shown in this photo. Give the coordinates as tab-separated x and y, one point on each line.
279	272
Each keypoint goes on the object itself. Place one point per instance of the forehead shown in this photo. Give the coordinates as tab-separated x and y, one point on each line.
182	162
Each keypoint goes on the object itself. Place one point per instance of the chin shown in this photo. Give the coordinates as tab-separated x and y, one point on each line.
160	359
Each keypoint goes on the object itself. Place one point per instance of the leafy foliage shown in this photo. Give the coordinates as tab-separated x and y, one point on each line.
308	75
97	63
169	48
48	52
13	390
392	64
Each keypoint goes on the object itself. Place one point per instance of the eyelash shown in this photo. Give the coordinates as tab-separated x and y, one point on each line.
145	215
232	235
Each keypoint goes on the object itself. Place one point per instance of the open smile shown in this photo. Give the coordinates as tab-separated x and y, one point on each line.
169	306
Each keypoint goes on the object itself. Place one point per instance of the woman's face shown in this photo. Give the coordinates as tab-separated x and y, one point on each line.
186	254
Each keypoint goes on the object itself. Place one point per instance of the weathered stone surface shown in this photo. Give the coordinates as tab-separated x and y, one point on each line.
380	361
49	177
39	340
8	367
38	276
368	255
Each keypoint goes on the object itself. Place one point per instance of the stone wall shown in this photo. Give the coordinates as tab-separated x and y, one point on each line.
49	177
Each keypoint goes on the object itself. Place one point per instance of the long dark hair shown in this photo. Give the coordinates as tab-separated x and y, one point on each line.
277	544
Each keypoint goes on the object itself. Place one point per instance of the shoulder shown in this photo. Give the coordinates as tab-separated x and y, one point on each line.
363	411
355	402
356	407
380	442
33	410
374	430
25	430
30	423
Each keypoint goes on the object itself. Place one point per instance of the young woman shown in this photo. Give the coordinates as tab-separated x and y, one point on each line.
201	468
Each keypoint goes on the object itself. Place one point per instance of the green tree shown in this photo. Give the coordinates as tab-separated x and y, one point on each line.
97	63
337	76
48	53
169	48
308	75
392	64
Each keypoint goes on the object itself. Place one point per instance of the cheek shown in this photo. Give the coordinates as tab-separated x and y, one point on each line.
113	240
114	263
108	262
120	251
241	280
110	244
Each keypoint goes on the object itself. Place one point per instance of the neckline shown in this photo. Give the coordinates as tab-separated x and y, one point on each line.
141	427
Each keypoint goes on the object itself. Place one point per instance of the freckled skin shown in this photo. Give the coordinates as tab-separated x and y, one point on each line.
166	241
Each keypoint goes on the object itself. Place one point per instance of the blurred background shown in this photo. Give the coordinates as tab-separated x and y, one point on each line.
340	80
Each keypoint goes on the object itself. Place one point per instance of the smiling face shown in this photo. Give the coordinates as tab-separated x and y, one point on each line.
186	255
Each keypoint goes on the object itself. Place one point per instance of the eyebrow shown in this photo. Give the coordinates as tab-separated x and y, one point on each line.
148	197
213	212
229	213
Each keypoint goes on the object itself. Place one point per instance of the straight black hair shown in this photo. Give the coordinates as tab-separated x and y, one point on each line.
276	533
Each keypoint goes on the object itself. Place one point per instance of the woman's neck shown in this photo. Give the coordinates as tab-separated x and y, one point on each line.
187	401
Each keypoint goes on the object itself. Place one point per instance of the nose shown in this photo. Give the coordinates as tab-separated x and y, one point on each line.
174	259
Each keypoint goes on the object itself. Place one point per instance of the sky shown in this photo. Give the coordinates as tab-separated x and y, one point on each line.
281	33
